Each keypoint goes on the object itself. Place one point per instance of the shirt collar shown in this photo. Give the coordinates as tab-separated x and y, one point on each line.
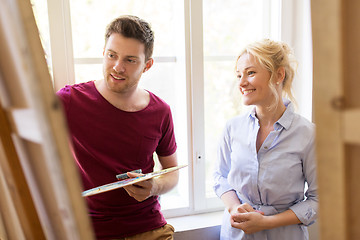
285	120
288	116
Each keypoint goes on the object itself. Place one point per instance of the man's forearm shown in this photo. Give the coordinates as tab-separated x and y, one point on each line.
165	183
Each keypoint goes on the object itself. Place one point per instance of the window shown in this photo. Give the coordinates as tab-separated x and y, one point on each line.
227	26
196	45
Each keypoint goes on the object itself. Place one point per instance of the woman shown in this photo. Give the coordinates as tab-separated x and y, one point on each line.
267	155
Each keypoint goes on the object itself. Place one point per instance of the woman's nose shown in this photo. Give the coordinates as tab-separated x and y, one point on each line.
243	82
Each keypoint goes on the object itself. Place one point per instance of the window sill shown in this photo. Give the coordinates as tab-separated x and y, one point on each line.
191	222
207	226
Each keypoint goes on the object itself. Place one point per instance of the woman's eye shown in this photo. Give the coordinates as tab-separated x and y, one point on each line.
251	72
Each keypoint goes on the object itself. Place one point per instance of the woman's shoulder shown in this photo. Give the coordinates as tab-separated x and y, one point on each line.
240	120
300	123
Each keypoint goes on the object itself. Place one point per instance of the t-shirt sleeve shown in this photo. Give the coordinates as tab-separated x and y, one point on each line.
64	96
167	144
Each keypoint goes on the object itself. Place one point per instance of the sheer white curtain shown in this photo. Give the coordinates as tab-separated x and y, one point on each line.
296	31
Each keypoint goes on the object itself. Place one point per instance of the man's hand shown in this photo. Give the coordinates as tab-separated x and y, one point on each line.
155	186
142	190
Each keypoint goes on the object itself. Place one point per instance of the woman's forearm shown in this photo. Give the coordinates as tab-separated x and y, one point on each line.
285	218
230	200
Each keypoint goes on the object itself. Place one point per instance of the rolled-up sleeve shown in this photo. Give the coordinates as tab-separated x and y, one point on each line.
223	164
307	210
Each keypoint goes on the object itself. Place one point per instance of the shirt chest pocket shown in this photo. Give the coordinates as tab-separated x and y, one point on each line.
281	167
147	148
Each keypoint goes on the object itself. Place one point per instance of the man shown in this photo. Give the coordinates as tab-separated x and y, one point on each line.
115	127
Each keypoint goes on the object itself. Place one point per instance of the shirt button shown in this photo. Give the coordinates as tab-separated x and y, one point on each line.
265	148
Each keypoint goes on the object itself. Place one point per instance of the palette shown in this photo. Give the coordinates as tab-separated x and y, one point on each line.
129	181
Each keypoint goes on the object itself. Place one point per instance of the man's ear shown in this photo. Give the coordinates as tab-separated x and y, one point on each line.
149	64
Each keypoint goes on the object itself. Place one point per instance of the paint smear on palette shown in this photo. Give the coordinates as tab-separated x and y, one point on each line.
127	182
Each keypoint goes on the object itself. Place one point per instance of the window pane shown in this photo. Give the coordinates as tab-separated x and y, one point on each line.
166	78
168	81
89	19
88	72
42	22
222	101
228	26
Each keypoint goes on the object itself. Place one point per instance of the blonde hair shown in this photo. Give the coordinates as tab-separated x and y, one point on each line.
273	55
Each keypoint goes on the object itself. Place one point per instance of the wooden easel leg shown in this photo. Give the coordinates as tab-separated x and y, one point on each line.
16	183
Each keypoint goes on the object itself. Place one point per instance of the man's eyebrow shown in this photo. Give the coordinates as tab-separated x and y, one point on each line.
110	50
129	56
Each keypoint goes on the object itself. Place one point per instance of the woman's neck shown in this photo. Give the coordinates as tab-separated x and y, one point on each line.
267	117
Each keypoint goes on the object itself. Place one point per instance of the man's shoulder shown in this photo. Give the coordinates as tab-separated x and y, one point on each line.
84	86
158	101
77	87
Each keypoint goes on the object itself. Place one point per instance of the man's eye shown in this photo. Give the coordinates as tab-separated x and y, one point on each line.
131	61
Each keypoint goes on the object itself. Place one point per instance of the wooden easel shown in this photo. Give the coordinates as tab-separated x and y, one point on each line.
39	183
336	47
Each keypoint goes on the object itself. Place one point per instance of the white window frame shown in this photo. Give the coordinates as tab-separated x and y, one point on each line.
63	73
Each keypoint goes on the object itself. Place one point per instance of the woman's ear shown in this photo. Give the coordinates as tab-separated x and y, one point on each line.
280	75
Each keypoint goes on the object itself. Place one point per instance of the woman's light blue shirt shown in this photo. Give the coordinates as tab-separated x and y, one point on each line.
273	179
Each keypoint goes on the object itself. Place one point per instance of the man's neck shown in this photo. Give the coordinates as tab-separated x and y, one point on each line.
131	101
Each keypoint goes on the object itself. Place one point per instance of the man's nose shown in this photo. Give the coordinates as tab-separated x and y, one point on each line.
119	66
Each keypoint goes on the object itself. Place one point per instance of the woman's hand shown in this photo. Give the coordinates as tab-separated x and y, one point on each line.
246	218
249	222
255	221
